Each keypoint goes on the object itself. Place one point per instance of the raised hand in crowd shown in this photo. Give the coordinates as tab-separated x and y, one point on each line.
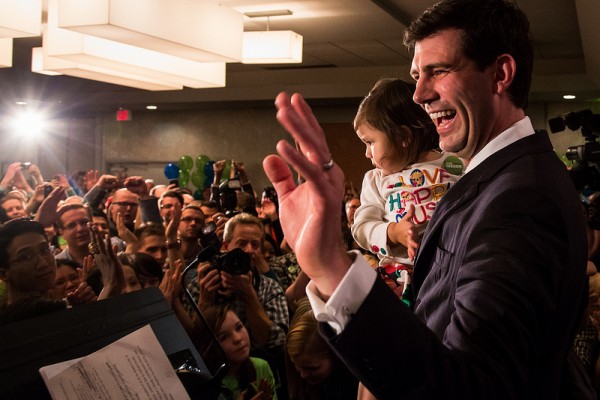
218	168
174	253
137	185
47	212
126	234
82	295
241	170
36	174
20	182
38	196
8	179
63	181
107	182
106	260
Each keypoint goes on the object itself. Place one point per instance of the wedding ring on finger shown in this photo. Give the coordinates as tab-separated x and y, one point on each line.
93	248
328	165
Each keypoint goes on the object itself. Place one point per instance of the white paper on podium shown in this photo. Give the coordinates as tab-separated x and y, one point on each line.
133	367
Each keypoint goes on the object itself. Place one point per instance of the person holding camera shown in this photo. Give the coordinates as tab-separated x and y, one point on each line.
258	300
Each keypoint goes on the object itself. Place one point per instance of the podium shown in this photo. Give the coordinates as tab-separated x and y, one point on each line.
26	346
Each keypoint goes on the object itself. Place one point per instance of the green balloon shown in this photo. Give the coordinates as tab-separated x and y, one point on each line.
198	178
186	163
201	160
184	178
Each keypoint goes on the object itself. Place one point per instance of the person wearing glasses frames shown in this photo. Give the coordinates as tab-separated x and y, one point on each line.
28	268
73	220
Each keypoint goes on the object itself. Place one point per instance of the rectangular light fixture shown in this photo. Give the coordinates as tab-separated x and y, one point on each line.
134	60
272	47
90	50
44	64
20	18
6	48
202	31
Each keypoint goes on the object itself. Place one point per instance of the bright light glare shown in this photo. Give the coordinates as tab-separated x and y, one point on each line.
28	124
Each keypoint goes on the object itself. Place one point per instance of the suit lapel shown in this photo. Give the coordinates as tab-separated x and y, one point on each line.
463	192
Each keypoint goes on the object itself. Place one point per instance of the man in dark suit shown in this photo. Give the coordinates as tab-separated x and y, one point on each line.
499	279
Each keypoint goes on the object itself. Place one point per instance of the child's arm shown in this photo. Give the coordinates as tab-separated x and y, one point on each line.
370	227
405	232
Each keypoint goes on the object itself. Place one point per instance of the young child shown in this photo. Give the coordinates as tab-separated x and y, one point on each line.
409	178
313	370
248	377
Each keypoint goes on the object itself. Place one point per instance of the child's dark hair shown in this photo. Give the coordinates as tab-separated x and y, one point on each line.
388	107
214	316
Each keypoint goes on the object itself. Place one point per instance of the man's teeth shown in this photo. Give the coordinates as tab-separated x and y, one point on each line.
441	114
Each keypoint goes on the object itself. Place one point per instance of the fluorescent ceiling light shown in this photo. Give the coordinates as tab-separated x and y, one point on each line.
6	48
266	47
20	18
89	50
134	60
42	63
201	31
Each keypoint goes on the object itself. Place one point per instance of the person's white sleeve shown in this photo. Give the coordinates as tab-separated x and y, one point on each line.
347	297
370	225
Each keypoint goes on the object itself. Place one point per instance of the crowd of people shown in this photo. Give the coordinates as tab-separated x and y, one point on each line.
76	239
459	270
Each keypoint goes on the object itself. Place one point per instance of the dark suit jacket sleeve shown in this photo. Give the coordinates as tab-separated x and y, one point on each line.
371	343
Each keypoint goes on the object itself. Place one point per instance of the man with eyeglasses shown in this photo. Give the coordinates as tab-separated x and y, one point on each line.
72	225
124	202
190	231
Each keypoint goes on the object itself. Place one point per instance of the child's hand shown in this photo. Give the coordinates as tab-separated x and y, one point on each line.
412	242
399	232
405	232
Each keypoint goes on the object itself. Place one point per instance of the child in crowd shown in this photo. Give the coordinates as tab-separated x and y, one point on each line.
67	279
313	371
248	377
409	178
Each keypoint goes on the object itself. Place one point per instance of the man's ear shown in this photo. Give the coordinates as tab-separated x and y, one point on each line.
225	246
505	70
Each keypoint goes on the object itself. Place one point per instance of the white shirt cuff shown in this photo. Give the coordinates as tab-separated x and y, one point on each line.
347	297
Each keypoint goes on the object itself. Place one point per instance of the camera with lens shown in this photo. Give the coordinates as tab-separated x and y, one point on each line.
228	197
234	262
586	157
209	237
